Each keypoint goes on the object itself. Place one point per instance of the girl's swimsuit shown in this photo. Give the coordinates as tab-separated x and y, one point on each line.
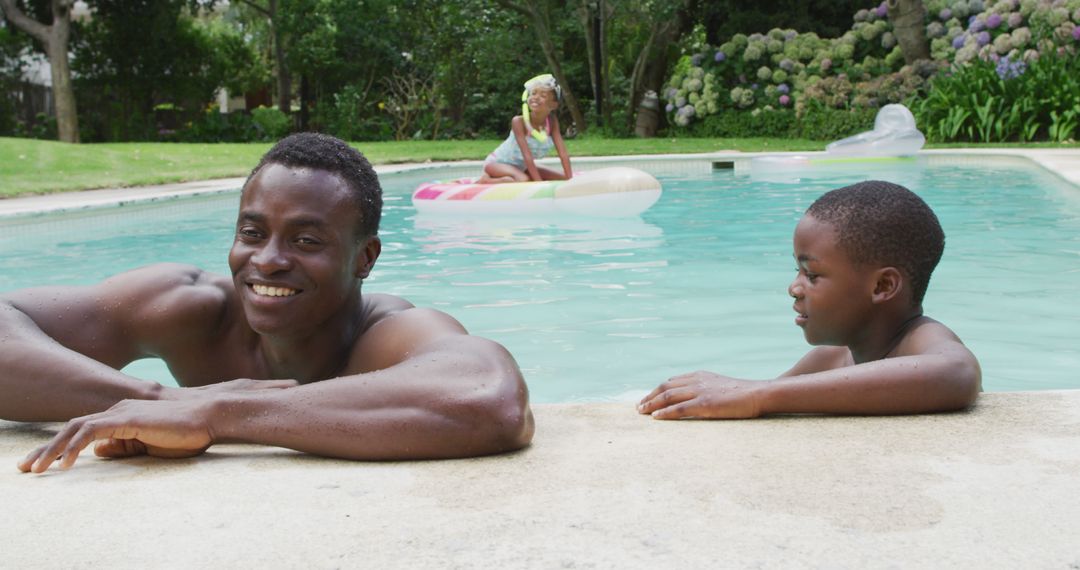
510	153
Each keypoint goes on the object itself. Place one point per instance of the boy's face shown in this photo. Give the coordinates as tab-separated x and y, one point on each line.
832	294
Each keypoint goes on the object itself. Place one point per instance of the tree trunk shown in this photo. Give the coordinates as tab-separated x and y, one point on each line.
54	39
543	35
284	79
908	18
651	65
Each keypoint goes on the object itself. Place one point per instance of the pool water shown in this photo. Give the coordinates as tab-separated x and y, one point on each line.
598	309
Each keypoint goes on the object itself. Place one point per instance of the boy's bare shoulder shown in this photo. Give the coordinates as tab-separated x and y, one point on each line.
928	336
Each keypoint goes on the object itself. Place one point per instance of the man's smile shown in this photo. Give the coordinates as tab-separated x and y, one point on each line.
270	291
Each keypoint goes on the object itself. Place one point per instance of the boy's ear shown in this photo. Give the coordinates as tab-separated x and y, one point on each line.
888	283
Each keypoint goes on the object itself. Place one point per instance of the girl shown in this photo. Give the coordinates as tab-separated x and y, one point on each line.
532	135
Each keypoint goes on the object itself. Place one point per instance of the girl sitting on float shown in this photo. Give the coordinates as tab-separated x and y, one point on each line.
533	133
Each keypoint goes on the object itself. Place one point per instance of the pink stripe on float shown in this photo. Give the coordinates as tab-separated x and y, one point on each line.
469	192
427	193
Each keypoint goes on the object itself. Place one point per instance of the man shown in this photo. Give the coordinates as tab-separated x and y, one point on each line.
287	353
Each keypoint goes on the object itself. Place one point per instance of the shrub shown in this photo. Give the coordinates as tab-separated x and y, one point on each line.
1009	100
271	122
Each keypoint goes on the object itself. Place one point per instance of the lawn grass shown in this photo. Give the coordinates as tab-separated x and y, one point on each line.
29	166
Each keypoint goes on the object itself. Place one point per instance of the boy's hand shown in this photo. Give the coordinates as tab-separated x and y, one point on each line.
703	394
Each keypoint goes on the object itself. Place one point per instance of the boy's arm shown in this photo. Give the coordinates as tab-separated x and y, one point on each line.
442	393
560	147
938	374
517	124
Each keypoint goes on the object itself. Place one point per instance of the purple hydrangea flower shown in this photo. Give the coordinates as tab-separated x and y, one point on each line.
784	100
993	21
958	41
882	10
1015	20
983	38
945	14
976	25
669	107
1076	33
783	89
1009	69
753	86
695	60
720	56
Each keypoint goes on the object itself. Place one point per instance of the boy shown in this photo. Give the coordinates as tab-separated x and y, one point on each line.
865	254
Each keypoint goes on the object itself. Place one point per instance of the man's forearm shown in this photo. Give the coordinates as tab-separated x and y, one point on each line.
375	417
41	380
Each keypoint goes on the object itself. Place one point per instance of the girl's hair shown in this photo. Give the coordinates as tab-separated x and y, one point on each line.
545	81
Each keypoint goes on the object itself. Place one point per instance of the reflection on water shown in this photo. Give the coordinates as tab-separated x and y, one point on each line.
572	234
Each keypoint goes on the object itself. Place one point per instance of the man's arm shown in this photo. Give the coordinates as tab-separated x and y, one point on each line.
442	393
63	346
937	374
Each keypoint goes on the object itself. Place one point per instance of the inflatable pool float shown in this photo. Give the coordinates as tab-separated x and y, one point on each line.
608	192
891	145
894	134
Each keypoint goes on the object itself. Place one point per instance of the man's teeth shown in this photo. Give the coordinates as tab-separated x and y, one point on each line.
273	291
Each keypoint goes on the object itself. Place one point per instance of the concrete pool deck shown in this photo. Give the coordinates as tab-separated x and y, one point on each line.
601	486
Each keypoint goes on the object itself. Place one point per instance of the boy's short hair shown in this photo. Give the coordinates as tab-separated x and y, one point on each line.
882	223
324	152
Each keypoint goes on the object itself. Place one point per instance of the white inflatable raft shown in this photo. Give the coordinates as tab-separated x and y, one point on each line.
609	192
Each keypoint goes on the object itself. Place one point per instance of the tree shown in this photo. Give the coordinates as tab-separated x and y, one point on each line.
908	18
54	39
281	67
663	25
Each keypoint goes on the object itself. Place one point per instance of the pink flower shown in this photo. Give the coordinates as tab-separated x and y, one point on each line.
785	100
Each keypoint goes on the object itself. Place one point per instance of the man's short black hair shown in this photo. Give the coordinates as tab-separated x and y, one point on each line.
324	152
882	223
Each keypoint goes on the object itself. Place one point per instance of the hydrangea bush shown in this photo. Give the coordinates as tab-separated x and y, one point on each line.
864	68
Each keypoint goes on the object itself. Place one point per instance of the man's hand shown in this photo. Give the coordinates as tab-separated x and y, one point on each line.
703	394
170	429
238	385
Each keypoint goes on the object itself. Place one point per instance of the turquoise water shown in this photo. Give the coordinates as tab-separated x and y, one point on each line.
606	309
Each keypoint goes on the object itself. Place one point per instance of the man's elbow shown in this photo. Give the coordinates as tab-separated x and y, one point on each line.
505	420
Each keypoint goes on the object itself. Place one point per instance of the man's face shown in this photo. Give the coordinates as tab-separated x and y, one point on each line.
296	260
832	294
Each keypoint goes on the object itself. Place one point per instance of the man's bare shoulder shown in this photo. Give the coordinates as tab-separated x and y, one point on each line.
395	329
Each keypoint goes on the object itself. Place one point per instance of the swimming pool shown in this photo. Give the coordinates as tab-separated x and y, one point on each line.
606	309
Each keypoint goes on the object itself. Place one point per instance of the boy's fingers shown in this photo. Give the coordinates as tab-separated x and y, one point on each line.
667	398
673	382
687	409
